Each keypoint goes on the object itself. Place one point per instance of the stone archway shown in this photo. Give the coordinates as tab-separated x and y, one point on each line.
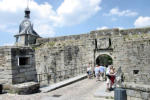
104	59
108	52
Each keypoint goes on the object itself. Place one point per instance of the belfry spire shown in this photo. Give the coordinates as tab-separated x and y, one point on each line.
26	36
27	11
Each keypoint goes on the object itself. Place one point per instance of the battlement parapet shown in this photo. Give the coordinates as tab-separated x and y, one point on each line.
105	32
116	31
14	47
97	34
135	31
63	38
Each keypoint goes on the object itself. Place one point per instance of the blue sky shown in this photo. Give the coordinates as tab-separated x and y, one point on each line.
67	17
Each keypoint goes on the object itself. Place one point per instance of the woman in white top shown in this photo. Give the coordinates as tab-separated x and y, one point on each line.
110	73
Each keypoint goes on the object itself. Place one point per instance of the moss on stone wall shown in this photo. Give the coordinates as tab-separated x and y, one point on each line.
135	37
59	44
51	44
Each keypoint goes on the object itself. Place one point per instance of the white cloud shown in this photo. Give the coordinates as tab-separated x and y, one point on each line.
142	21
45	29
116	11
121	28
105	27
12	5
101	28
8	29
3	27
44	17
73	12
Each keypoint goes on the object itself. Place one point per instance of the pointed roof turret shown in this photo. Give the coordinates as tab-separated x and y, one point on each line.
26	35
26	27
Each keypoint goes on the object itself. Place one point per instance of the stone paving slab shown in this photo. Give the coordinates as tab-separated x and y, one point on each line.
62	83
81	90
101	92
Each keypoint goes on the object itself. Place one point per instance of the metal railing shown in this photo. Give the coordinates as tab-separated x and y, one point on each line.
57	76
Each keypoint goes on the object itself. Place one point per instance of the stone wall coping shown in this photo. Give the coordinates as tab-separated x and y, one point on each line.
97	33
25	88
139	28
62	38
135	86
10	47
24	85
106	32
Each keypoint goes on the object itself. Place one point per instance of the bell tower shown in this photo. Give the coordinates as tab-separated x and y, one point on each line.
26	36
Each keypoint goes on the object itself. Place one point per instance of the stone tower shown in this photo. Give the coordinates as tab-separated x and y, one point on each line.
26	36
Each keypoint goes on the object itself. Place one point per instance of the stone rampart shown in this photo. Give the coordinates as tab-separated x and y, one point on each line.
98	33
17	65
137	91
139	31
56	59
5	65
131	53
60	58
62	38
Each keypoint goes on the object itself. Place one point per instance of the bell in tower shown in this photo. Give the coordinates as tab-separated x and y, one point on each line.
26	36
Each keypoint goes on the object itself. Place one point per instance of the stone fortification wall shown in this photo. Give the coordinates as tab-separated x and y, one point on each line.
135	31
91	35
103	33
62	59
13	71
132	53
62	38
5	65
137	91
23	65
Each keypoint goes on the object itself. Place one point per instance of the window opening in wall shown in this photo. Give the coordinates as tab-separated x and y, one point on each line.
24	61
135	71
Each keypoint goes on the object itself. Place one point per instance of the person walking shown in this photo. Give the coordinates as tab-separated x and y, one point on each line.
110	73
102	72
112	76
97	73
89	71
108	78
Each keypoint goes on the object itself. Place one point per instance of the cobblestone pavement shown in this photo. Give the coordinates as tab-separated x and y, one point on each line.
82	90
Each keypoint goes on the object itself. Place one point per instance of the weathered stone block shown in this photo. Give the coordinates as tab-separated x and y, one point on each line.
25	88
